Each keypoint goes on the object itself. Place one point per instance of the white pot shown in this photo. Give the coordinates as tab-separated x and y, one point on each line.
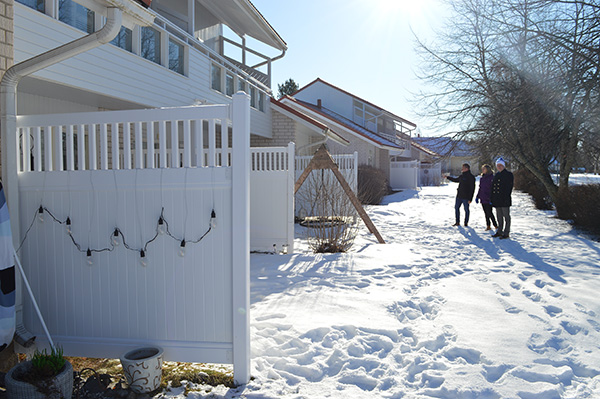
143	368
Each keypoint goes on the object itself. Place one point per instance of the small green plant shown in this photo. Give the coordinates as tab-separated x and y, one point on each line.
46	364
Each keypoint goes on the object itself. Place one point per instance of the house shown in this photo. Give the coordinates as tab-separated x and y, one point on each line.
380	138
132	144
453	153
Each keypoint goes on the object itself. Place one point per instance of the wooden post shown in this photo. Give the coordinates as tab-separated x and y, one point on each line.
322	160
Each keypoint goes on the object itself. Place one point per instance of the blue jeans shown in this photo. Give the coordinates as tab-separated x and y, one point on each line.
457	205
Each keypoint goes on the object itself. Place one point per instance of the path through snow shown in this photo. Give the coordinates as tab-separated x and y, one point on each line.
438	311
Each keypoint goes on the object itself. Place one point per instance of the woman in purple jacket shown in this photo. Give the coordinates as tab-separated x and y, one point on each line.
485	195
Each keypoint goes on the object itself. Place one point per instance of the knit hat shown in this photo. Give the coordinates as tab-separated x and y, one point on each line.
500	161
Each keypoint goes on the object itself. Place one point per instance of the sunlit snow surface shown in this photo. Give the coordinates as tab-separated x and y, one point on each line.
437	312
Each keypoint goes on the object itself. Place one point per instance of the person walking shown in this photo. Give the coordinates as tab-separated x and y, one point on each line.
465	191
485	195
502	186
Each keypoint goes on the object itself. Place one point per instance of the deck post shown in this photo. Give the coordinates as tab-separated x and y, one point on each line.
291	170
241	236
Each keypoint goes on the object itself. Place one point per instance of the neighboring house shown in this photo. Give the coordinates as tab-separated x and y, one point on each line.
380	137
454	153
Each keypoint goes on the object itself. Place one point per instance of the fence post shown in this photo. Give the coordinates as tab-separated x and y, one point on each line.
291	165
355	172
240	239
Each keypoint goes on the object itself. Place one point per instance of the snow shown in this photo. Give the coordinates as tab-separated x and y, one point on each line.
577	179
436	312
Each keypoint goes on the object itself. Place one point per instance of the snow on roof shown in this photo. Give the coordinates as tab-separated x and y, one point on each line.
446	146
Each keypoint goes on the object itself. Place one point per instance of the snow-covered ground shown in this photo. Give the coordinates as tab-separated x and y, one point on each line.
576	179
438	311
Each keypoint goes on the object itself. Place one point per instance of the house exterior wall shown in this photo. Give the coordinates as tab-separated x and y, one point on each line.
6	37
113	72
283	132
338	102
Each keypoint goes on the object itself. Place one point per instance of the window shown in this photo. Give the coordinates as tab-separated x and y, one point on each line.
242	86
229	84
124	39
76	15
216	78
261	101
150	44
253	96
176	57
37	5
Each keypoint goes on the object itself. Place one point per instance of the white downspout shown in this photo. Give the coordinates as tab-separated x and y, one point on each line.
318	143
8	108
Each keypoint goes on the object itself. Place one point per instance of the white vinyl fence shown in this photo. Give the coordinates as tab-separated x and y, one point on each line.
272	199
145	232
348	166
430	174
404	175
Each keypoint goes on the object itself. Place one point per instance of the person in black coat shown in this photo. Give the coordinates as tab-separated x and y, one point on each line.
502	186
465	191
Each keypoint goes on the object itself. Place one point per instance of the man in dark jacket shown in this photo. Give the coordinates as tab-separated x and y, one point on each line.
502	186
466	189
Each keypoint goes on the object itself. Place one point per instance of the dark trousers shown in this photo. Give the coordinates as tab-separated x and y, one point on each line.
489	215
503	220
457	205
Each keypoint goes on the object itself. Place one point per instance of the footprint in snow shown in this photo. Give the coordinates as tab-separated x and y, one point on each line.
553	310
508	307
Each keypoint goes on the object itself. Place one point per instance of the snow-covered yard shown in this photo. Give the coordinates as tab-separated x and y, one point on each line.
438	311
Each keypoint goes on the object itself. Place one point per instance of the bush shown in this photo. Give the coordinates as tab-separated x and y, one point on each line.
527	182
583	205
372	185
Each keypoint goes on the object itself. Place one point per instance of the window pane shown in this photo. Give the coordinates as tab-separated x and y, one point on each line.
229	84
150	44
216	78
253	96
37	5
175	57
124	39
261	101
76	15
241	86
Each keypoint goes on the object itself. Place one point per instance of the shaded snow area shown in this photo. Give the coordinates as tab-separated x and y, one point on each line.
437	312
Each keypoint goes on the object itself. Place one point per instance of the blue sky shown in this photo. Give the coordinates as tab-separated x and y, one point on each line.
364	47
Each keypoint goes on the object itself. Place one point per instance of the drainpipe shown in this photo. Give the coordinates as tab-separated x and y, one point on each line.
8	108
318	143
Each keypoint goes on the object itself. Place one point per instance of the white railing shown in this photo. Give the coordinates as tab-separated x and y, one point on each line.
343	161
140	139
266	159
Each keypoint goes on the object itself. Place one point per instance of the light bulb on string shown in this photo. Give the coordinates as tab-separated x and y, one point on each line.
68	225
213	219
182	248
41	214
115	238
143	258
89	259
162	228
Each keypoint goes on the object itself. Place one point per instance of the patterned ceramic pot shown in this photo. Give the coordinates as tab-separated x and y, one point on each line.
143	368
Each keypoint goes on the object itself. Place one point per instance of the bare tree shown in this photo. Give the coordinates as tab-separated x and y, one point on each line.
519	77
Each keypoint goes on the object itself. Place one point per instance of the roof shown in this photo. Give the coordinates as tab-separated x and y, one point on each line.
446	146
358	98
244	19
316	125
345	123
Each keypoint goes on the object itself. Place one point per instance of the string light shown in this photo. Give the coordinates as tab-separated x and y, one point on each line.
162	228
89	259
143	258
115	238
213	219
68	225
